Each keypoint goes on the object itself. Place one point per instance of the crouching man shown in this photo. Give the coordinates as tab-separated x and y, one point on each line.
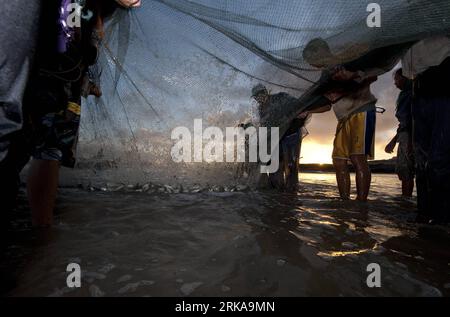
286	178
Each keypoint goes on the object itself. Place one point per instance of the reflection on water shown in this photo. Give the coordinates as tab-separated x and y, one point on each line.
382	184
233	244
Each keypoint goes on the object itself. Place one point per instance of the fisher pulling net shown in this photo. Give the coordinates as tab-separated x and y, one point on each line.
171	62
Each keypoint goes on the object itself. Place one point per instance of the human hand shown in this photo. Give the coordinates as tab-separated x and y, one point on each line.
342	74
129	3
303	115
333	95
390	147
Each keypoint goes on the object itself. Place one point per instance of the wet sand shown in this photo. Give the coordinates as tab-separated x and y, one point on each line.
232	244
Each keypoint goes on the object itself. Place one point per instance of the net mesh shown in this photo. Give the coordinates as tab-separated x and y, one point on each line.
173	61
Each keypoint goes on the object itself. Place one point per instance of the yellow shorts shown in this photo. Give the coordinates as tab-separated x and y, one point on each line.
355	135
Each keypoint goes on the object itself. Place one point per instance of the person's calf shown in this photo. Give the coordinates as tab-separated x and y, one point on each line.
363	176
42	186
342	178
407	187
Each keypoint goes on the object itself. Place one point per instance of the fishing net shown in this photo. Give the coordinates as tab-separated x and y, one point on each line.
173	61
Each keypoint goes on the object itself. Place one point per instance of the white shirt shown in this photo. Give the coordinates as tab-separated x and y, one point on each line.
354	102
425	54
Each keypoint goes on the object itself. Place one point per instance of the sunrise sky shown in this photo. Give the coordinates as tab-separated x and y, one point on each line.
318	145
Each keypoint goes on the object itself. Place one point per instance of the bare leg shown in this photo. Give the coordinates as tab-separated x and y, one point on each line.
293	166
342	177
363	176
293	177
278	179
42	186
407	187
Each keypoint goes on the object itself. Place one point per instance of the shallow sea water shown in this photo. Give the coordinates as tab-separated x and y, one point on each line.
232	244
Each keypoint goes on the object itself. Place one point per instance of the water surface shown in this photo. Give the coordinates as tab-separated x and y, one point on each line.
232	244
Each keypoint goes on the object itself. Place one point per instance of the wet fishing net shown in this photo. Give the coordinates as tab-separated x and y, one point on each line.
173	61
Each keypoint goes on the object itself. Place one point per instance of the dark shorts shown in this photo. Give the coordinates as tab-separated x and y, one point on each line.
54	121
290	147
287	175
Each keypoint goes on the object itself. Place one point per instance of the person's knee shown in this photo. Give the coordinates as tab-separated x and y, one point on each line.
360	162
339	164
44	163
359	159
